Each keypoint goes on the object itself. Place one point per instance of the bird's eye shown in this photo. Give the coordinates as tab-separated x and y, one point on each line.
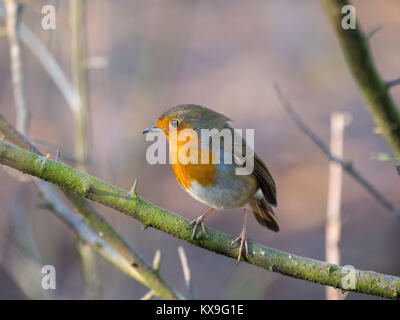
175	123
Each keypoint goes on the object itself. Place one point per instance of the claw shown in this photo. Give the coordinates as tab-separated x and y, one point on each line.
242	238
198	221
195	224
243	241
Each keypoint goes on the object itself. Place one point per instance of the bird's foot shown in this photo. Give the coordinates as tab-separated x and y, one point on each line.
195	223
243	242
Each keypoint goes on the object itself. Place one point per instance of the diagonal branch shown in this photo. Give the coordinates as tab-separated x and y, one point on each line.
98	223
150	215
347	166
356	49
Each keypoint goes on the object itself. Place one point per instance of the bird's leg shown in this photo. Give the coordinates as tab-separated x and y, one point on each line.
242	238
198	221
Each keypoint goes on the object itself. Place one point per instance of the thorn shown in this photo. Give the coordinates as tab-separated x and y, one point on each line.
157	260
87	187
392	83
58	155
133	189
372	30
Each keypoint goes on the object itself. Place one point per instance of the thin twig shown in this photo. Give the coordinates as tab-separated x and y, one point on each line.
77	14
358	54
147	296
186	272
157	260
84	233
347	166
79	76
49	63
393	83
100	225
333	218
13	11
372	30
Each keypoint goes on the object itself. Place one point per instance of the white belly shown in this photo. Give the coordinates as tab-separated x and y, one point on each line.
226	193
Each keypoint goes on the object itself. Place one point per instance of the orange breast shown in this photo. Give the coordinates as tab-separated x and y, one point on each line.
187	173
201	173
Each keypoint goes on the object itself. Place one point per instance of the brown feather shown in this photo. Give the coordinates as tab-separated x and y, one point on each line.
264	213
267	183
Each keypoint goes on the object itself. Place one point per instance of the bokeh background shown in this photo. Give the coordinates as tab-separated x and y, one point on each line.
225	55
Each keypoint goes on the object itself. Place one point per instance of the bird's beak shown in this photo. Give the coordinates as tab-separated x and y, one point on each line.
151	129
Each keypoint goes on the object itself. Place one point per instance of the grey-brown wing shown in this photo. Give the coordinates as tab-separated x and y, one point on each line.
267	183
261	172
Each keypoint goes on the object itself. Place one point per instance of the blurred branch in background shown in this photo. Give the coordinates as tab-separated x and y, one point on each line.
355	46
333	219
186	272
23	249
13	10
94	219
51	66
140	270
79	75
150	215
346	165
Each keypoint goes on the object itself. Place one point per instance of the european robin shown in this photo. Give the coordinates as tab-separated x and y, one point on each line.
216	183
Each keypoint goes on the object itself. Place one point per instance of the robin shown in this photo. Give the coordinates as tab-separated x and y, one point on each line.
214	183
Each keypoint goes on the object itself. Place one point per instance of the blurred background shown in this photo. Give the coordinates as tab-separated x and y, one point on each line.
225	55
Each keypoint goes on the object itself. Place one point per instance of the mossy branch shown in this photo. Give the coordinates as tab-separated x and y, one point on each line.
124	255
131	204
356	49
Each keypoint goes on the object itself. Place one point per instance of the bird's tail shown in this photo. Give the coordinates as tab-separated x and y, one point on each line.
264	213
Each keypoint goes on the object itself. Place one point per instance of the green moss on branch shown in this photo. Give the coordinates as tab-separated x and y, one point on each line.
150	215
355	46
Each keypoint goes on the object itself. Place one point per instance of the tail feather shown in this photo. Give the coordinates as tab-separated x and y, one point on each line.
264	213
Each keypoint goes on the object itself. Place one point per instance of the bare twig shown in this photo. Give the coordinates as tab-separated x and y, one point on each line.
84	233
97	223
77	8
157	260
186	272
372	30
58	155
79	76
147	296
358	54
333	219
347	166
393	83
51	66
13	11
